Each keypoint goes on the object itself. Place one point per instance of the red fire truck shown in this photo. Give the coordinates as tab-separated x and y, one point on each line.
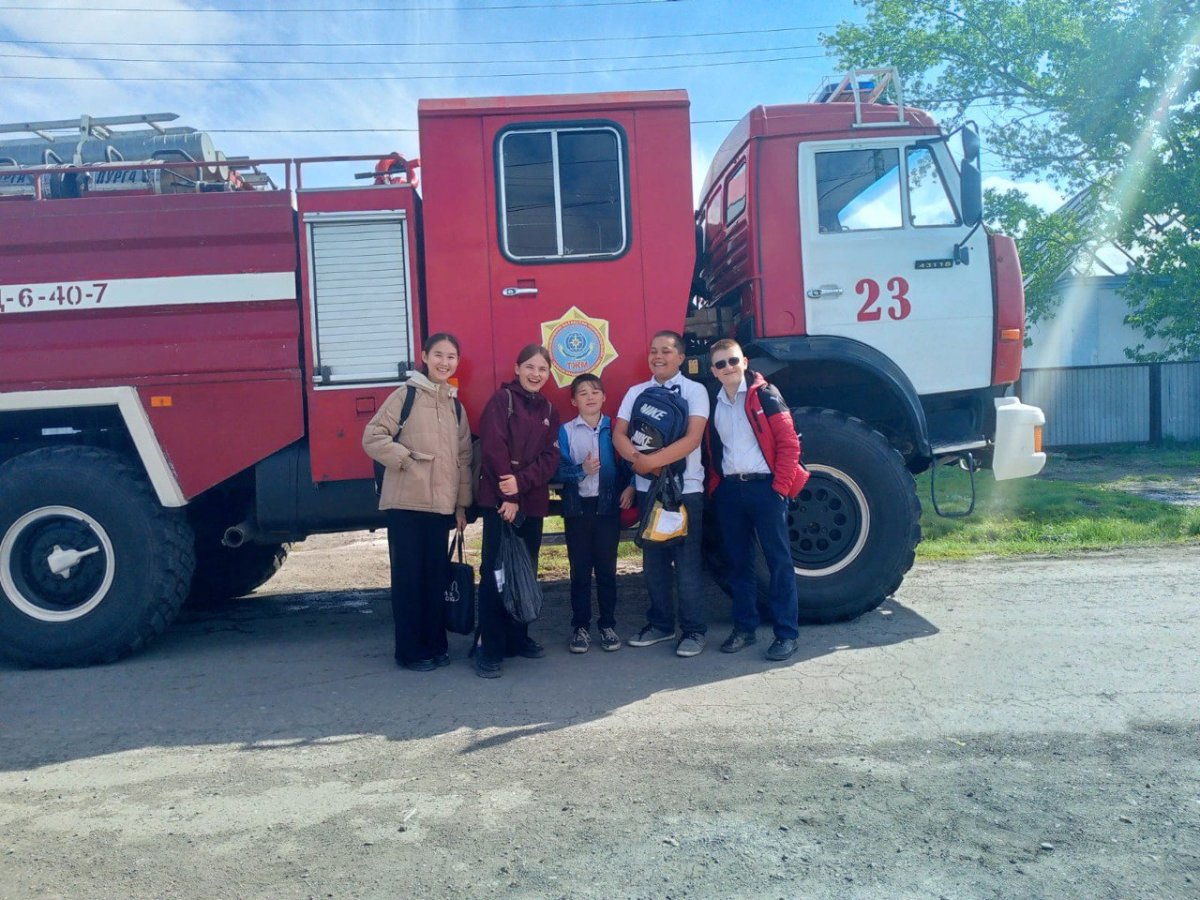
189	350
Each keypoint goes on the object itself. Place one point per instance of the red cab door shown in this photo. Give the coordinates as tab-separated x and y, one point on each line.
565	263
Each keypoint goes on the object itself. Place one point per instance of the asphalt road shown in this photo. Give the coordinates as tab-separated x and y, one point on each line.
1004	728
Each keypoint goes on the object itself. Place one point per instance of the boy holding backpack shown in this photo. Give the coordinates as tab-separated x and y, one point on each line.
681	560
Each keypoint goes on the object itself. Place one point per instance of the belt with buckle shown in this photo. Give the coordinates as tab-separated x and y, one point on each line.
750	476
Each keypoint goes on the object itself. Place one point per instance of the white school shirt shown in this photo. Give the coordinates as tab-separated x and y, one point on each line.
583	439
696	398
740	454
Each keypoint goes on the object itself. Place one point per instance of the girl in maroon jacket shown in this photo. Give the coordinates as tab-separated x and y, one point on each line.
518	438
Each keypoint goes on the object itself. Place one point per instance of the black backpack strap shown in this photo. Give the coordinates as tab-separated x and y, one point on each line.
458	410
405	411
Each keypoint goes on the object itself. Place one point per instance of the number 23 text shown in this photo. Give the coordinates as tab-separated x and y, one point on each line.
872	311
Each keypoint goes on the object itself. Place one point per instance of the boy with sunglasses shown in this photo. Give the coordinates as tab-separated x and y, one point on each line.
753	462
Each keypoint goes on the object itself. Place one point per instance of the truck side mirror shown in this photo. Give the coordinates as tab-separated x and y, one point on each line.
971	181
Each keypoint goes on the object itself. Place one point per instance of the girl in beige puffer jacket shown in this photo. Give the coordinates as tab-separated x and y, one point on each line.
426	489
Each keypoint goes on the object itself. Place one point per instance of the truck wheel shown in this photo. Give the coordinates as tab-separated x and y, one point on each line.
223	573
855	527
91	565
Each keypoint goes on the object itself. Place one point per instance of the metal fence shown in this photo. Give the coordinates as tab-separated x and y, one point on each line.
1140	403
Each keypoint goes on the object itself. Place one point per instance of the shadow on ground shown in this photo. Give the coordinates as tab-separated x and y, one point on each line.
286	669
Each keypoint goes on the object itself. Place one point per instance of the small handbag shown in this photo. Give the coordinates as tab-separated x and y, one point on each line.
458	603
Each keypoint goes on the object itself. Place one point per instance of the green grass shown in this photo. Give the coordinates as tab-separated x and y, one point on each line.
1086	499
1082	501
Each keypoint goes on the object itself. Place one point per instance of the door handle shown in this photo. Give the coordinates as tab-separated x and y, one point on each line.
519	292
825	290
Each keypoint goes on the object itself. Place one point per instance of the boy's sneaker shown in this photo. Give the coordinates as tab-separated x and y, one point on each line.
581	641
487	668
738	640
609	640
692	644
651	635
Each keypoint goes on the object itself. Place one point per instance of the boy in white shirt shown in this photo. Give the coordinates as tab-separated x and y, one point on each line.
661	565
595	487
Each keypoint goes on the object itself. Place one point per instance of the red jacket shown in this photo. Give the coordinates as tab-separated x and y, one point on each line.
771	421
523	443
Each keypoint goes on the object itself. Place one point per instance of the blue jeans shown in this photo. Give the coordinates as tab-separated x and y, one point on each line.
678	564
745	509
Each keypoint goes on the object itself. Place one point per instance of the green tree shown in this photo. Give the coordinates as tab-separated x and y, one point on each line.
1097	94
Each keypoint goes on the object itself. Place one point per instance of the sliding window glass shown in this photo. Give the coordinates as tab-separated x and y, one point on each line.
562	193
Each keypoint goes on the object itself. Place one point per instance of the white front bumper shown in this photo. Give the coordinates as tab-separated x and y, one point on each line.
1014	455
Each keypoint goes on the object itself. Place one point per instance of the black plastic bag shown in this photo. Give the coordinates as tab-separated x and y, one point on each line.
664	519
515	577
458	603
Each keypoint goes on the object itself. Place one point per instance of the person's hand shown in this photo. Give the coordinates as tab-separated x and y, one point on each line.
643	465
508	485
460	518
508	510
591	465
627	496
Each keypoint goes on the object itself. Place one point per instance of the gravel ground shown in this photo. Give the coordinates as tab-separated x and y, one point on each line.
1003	728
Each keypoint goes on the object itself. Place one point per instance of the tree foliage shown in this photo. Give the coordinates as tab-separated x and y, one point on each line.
1098	94
1049	243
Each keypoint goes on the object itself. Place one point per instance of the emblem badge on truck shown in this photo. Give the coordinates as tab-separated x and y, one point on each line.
578	345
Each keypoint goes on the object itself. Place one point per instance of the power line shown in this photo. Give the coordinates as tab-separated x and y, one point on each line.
402	62
358	44
331	9
328	78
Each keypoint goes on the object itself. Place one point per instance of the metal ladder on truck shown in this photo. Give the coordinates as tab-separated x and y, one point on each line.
866	86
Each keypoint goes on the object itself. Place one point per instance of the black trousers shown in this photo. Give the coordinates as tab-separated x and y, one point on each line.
592	547
500	634
420	562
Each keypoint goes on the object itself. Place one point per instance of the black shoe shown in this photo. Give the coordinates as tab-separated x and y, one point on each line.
419	665
781	649
581	639
738	640
532	650
487	669
442	659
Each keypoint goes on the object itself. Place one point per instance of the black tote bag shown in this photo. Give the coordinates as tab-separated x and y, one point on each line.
458	603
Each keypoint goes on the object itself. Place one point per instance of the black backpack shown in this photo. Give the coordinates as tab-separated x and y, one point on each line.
659	418
409	398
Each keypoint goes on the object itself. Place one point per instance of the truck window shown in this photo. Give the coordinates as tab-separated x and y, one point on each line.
562	193
712	217
858	190
735	194
929	203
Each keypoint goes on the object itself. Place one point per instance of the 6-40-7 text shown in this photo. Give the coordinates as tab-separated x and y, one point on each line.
52	296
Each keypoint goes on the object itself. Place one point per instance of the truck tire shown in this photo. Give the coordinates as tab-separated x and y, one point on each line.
855	527
92	567
223	573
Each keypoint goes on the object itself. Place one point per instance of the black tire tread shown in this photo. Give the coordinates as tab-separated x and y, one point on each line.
832	418
175	554
239	574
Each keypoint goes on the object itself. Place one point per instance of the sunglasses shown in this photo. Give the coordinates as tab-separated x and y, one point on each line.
722	363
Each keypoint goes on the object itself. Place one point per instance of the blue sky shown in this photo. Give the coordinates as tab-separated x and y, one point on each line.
314	78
